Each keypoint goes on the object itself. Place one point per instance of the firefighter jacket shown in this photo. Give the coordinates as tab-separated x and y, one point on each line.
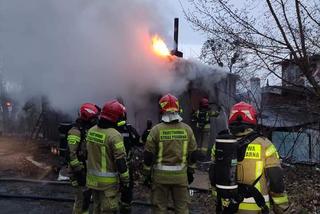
105	147
260	155
77	147
171	144
202	118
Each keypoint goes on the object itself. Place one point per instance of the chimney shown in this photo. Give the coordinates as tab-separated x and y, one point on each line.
175	50
255	94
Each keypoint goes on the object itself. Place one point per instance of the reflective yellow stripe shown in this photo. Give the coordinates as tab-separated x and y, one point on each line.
125	174
259	171
213	152
160	152
73	139
280	200
271	150
119	145
170	173
103	159
251	206
184	151
121	123
74	162
94	180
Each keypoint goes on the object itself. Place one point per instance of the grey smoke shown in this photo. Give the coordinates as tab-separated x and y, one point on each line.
77	51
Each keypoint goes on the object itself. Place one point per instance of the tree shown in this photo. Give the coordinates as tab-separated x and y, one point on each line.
263	33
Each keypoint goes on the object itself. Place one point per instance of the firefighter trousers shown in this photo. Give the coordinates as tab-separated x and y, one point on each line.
161	194
204	143
105	202
82	200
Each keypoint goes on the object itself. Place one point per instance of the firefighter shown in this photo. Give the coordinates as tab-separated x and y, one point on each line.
146	132
108	173
131	139
169	158
88	115
202	119
258	177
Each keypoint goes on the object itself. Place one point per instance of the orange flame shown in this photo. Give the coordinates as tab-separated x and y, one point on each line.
159	47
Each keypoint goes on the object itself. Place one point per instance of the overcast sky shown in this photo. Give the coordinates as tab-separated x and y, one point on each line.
190	41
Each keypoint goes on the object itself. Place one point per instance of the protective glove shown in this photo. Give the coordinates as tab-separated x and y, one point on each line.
190	172
80	174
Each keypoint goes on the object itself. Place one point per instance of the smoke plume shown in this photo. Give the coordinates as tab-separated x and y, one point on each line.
79	51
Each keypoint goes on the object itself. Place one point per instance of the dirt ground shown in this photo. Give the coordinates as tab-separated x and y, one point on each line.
20	157
25	159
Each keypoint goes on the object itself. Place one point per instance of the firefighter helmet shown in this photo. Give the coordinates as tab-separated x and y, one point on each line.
243	113
169	103
204	103
88	111
113	111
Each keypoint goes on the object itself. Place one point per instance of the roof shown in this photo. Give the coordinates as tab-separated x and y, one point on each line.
286	117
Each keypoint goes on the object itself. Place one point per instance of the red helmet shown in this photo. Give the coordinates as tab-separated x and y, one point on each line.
113	111
169	103
244	113
88	111
204	103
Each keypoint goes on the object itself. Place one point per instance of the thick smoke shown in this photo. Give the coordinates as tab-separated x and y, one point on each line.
77	50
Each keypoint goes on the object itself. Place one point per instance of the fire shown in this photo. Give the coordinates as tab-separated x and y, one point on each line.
159	47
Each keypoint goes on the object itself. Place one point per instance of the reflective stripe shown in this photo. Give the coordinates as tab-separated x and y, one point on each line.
213	152
103	159
94	172
204	149
271	150
74	162
125	134
121	123
251	206
226	140
280	200
259	171
125	174
226	187
184	152
251	199
119	145
93	180
160	152
73	139
170	168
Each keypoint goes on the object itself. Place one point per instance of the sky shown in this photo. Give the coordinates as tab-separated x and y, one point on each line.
190	41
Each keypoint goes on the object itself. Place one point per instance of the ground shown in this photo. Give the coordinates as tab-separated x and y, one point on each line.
21	158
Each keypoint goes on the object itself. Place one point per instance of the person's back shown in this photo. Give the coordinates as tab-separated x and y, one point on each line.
170	152
259	177
171	143
88	114
107	164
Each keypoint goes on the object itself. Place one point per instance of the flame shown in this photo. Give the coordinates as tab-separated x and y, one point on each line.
159	47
